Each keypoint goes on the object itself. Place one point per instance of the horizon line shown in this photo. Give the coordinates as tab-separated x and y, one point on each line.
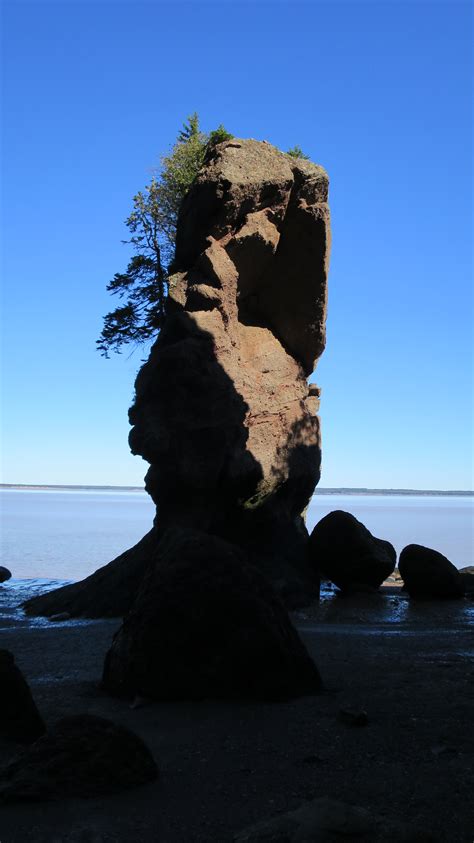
319	489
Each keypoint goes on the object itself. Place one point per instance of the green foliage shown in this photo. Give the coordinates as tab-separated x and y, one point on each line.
178	171
297	152
219	135
190	128
152	226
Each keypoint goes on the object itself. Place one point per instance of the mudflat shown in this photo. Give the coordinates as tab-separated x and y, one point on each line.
409	667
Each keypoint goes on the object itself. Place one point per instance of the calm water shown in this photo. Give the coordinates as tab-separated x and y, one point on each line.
67	535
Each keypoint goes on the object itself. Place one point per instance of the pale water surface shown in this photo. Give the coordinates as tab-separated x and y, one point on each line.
66	535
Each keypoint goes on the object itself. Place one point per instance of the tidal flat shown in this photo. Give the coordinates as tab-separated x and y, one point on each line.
224	766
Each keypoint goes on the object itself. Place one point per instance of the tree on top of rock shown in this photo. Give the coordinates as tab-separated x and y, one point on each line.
142	287
297	152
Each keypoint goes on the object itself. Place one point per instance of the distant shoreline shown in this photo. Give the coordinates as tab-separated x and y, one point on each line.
319	491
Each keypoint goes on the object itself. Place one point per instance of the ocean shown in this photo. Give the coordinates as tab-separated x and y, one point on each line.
66	535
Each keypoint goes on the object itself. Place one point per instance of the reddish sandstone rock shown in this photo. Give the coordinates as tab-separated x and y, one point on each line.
223	411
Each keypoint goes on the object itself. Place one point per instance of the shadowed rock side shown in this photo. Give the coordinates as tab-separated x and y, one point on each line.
107	592
343	550
206	623
467	580
223	411
427	573
83	755
20	719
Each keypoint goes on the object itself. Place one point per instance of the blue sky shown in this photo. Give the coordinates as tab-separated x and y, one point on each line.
377	92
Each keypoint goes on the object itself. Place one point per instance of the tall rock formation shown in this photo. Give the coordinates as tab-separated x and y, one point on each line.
223	411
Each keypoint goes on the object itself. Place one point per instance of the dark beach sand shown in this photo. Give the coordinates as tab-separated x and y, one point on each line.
226	766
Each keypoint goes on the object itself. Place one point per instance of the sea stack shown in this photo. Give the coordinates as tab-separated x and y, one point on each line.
223	411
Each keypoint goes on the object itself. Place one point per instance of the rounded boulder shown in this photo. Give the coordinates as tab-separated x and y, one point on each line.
344	551
427	573
83	755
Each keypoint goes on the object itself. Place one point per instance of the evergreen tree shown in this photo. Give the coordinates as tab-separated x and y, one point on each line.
297	152
152	226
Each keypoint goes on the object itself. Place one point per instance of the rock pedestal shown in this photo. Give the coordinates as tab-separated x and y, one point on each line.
206	623
223	411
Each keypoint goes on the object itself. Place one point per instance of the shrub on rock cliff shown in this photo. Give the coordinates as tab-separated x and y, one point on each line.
297	152
152	227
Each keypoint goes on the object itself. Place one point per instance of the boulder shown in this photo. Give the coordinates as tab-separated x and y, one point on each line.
427	573
467	579
20	720
5	574
343	550
84	756
206	623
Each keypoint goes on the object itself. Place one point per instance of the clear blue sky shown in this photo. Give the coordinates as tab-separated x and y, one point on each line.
377	92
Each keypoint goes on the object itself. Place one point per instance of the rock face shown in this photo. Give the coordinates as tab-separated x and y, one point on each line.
206	623
223	411
467	580
84	756
427	573
344	551
20	720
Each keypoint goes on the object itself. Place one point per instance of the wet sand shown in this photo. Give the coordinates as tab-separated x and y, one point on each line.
226	766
